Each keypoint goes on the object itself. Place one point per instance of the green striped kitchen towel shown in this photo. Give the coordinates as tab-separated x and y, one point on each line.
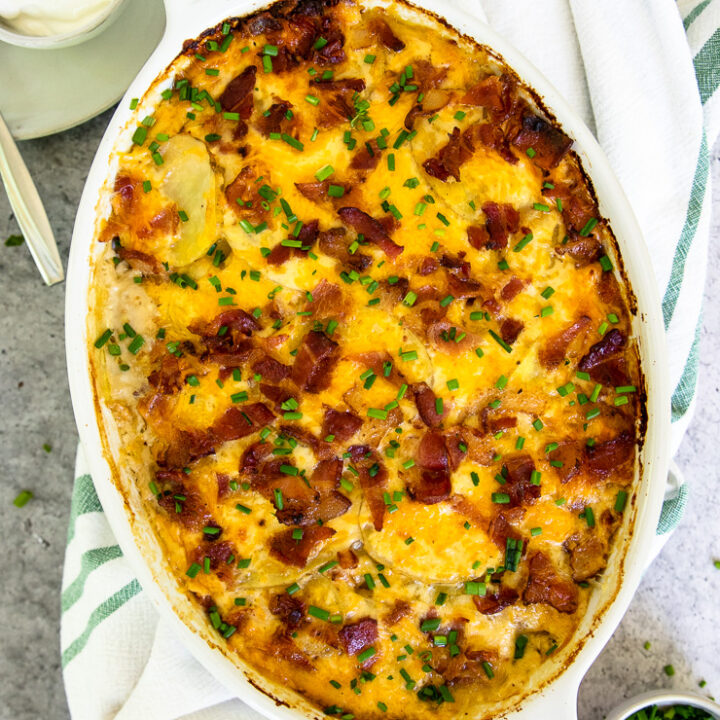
644	76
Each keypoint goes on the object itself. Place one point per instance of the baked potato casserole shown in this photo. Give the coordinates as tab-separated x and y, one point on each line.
366	343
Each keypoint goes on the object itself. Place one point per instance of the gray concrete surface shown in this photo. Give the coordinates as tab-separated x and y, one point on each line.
676	609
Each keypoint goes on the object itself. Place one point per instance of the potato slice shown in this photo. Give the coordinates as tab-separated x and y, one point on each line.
189	181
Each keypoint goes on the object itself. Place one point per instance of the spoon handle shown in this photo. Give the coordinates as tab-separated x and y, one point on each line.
28	208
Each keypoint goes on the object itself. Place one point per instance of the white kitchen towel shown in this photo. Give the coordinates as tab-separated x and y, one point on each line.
644	76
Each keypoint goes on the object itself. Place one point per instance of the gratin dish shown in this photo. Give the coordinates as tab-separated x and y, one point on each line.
555	690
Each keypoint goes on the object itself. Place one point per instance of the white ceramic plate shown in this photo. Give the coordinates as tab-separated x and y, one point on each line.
46	91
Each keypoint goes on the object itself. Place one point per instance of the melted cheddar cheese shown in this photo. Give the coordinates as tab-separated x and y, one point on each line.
361	333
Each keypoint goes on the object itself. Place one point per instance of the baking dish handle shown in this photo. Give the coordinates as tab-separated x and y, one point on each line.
558	701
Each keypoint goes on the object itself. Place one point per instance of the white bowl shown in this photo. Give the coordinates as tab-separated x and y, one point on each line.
91	28
663	698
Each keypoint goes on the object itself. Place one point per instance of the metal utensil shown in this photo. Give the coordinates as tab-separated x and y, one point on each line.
28	209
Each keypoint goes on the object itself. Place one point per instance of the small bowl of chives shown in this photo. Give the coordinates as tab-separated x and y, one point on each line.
666	705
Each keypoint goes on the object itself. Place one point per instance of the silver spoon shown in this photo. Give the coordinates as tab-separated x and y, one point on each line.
28	208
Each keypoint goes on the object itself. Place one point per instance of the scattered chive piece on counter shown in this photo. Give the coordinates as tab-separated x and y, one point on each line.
14	241
23	498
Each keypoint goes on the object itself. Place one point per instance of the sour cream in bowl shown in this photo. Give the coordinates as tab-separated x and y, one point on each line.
54	23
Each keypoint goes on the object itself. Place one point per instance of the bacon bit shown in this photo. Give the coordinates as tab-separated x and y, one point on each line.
328	301
510	329
555	349
467	667
278	395
279	255
283	647
317	192
263	23
512	288
244	188
238	92
425	403
429	265
492	424
271	369
576	200
372	486
449	158
431	487
237	423
363	160
334	243
606	458
236	321
609	290
194	513
289	609
603	361
299	35
493	604
326	478
223	485
568	454
343	425
217	553
399	610
463	287
456	445
285	548
478	236
371	229
519	485
343	84
432	484
301	435
275	119
584	250
347	559
377	361
432	452
502	221
588	555
299	500
359	636
438	333
314	362
187	446
547	585
386	36
166	378
426	76
500	529
490	93
126	195
332	52
253	457
492	137
548	142
140	261
337	96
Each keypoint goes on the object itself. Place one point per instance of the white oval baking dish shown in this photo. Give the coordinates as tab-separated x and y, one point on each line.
556	688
